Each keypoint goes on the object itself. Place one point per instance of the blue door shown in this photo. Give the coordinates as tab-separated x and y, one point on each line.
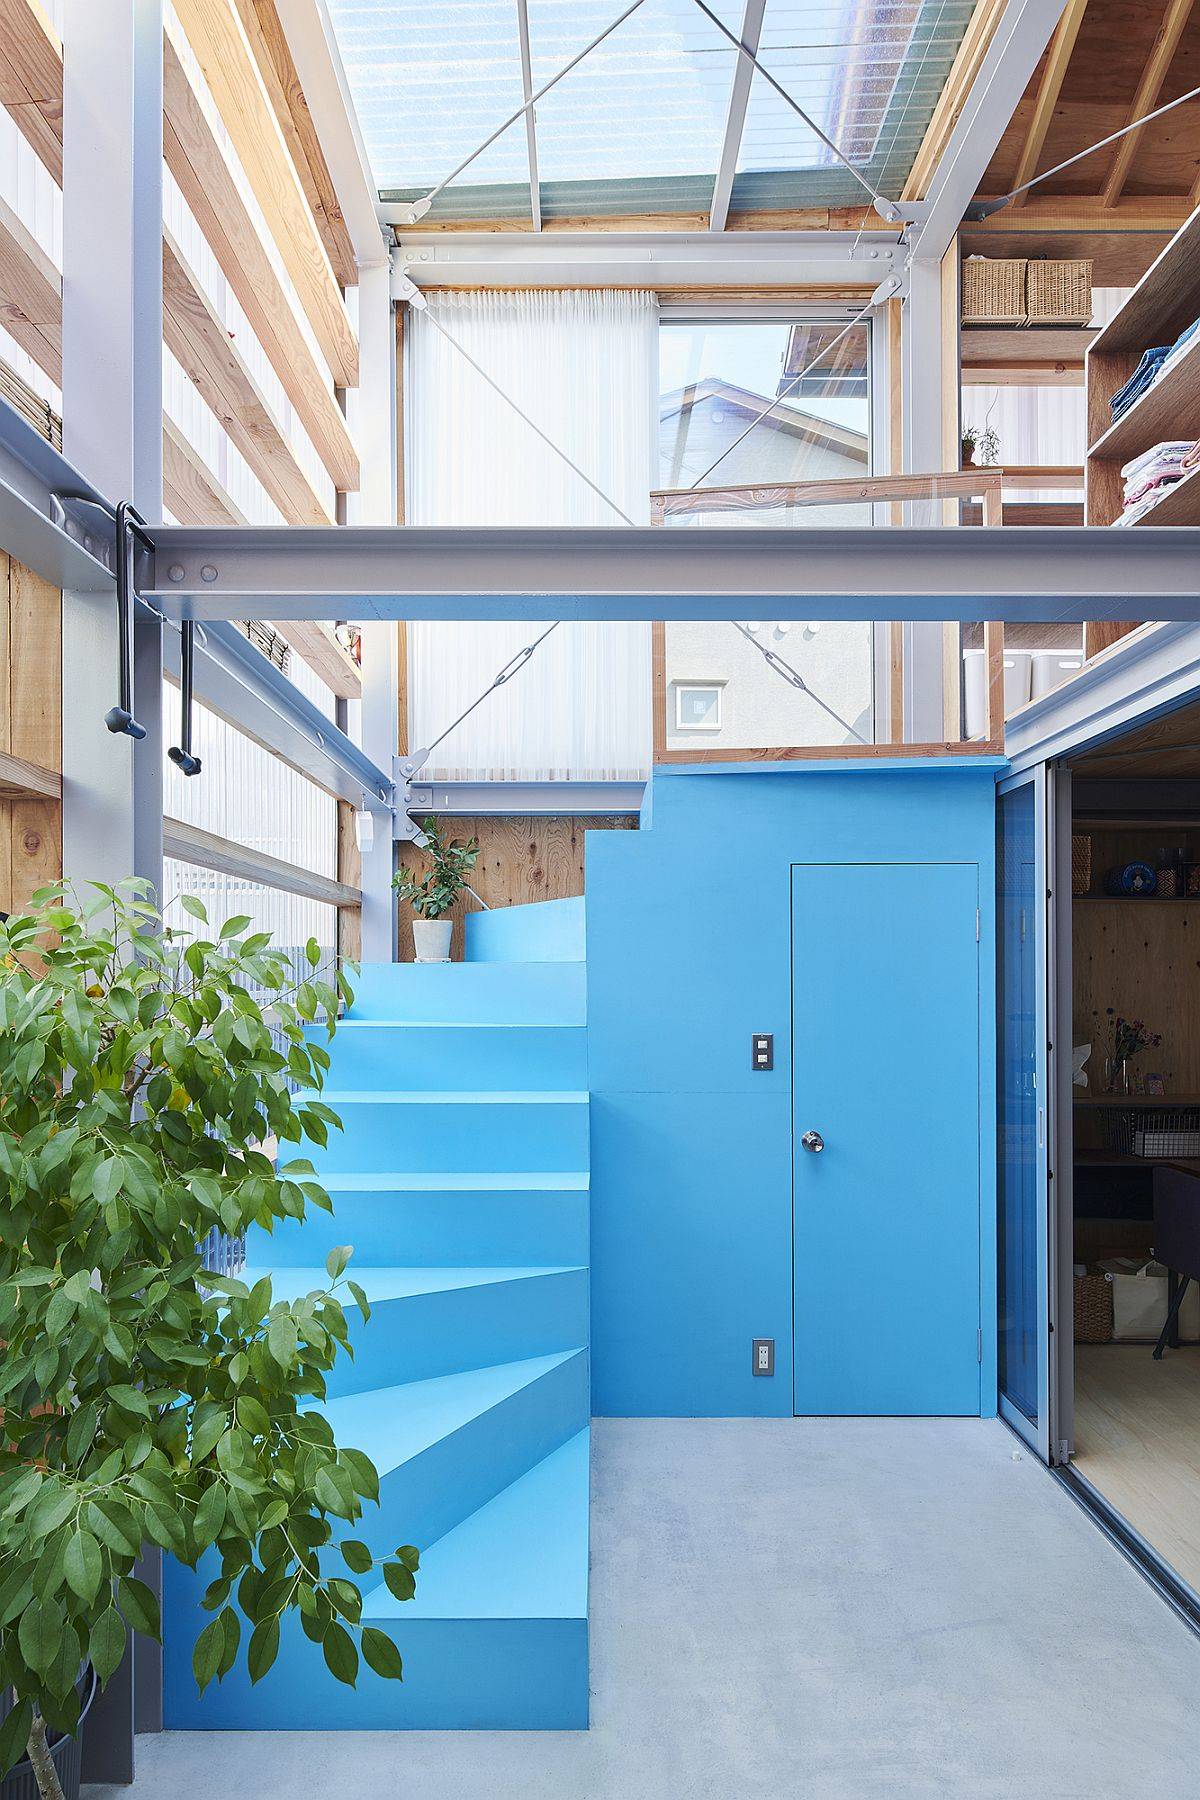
886	1131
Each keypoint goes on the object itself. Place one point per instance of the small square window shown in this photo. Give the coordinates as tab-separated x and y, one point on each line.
698	705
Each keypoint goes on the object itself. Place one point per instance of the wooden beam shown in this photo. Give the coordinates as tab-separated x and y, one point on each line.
993	656
188	843
658	689
200	342
192	491
1162	52
30	295
1049	88
955	484
837	752
38	412
267	39
963	71
219	41
314	642
22	780
31	78
1044	212
213	191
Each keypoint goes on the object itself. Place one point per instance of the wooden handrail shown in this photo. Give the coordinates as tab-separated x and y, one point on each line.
189	844
986	483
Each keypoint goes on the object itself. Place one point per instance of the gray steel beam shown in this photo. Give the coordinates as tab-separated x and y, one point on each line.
527	799
1012	56
735	118
69	546
601	572
237	681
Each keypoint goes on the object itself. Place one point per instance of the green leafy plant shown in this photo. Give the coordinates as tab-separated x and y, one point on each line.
986	442
148	1400
451	861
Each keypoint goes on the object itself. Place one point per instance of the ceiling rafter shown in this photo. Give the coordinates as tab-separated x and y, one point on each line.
1049	89
535	190
735	118
1166	42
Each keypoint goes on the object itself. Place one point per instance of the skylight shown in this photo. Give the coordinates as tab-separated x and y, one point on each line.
640	125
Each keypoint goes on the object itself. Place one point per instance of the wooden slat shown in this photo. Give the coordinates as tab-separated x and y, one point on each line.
952	484
30	295
658	687
267	39
993	656
199	341
1166	42
895	681
963	70
1049	88
31	78
22	780
38	412
219	41
349	868
188	843
834	752
212	189
192	491
952	722
315	643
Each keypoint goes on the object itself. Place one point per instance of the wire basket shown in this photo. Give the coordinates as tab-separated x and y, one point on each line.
1093	1309
1081	864
1059	293
993	290
1155	1132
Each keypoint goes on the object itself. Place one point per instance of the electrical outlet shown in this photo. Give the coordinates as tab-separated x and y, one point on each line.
764	1356
762	1050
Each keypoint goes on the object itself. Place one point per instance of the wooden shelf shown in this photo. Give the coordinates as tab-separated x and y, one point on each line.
1170	408
1137	899
1029	355
1126	1100
1180	505
1168	291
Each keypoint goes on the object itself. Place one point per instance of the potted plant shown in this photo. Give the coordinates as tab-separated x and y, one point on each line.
985	442
432	894
146	1398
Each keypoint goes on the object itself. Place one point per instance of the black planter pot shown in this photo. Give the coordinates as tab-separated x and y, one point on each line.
21	1783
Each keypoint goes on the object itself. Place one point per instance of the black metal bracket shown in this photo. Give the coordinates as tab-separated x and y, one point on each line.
181	753
130	524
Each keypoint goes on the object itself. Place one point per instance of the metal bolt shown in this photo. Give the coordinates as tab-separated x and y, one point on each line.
175	572
208	572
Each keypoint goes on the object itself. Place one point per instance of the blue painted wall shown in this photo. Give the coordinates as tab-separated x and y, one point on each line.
688	953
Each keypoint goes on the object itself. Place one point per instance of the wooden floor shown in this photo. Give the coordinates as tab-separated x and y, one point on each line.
1137	1434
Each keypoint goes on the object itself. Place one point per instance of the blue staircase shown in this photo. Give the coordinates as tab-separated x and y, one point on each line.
461	1180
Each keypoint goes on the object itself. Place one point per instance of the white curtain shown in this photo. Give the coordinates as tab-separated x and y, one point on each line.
584	366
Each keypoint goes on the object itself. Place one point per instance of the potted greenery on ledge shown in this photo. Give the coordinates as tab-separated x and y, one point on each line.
145	1400
432	894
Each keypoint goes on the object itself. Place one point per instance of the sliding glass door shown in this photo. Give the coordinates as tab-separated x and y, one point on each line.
1023	1124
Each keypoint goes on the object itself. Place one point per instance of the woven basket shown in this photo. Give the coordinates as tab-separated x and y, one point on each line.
1059	293
1081	865
993	291
1093	1309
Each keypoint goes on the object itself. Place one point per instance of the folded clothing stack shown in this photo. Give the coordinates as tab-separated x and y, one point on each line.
1153	364
1148	476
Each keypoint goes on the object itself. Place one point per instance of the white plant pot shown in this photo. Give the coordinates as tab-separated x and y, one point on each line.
431	939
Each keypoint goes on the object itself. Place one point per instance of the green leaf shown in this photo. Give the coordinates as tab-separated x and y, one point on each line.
341	1657
83	1565
334	1492
282	1339
234	926
139	1606
399	1580
195	908
210	1515
207	1652
106	1642
39	1633
130	1400
356	1555
263	1648
337	1259
14	1734
381	1654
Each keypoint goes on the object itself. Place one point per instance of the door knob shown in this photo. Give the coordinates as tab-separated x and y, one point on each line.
812	1140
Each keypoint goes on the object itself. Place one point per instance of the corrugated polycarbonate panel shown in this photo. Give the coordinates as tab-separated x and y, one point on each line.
639	124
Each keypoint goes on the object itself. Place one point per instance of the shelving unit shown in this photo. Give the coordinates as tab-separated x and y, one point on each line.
1165	301
1028	355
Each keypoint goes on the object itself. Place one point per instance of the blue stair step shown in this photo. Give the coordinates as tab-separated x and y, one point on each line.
440	1321
495	1640
446	1446
546	931
418	1131
479	993
519	1219
377	1053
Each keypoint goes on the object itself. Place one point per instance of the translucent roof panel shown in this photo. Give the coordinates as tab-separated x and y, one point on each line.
639	124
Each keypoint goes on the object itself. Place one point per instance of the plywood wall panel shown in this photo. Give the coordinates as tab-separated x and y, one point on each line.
30	727
520	860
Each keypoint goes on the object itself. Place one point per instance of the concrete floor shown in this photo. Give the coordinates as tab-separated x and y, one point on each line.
832	1609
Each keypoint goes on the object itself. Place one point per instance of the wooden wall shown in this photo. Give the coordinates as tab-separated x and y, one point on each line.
519	860
30	727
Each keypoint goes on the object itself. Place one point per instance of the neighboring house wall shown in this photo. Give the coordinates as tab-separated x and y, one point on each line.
689	952
759	709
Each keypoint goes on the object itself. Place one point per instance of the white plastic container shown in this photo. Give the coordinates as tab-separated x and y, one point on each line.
431	939
1051	668
1140	1303
1018	674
